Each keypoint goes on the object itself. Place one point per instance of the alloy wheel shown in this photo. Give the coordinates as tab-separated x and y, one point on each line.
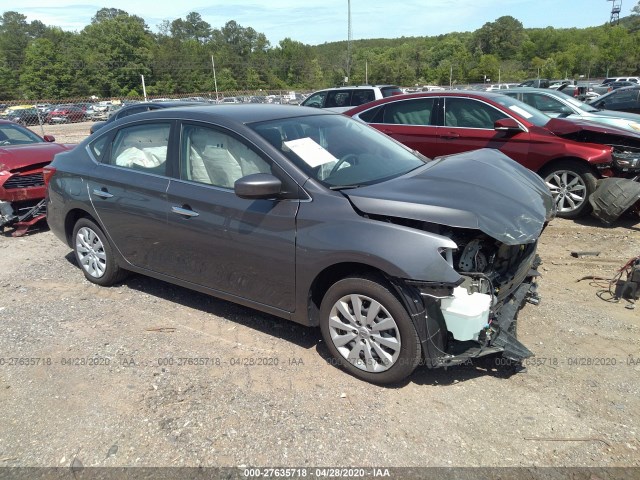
568	189
91	254
364	333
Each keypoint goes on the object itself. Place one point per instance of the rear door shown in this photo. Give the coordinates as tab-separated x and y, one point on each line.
216	239
411	122
128	190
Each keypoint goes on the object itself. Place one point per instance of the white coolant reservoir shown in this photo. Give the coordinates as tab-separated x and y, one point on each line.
466	315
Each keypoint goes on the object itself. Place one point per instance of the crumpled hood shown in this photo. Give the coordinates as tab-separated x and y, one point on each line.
481	189
568	126
14	157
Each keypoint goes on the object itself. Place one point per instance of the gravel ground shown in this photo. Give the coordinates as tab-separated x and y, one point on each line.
269	396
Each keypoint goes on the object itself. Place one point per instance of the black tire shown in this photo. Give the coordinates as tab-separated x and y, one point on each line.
94	254
560	178
402	358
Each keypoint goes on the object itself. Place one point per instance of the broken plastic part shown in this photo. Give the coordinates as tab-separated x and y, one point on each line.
466	315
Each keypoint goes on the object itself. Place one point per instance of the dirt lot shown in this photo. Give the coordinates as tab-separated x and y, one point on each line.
268	396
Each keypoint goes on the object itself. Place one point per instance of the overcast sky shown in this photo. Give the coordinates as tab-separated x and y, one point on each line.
319	21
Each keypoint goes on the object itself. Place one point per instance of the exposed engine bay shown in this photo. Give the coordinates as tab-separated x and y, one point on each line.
625	154
478	316
493	272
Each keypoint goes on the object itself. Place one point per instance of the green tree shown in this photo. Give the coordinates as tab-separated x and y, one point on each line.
14	38
502	38
118	51
191	28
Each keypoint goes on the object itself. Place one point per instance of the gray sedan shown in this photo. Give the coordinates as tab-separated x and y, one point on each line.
314	217
558	104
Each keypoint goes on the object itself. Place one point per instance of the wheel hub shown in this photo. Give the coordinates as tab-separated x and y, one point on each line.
363	333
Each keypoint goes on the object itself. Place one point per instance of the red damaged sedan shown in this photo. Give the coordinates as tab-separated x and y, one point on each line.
23	154
570	156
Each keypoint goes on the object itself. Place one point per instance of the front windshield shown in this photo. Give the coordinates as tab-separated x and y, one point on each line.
11	134
338	151
525	111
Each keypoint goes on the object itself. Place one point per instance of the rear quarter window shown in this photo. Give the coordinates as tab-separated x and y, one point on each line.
388	91
360	97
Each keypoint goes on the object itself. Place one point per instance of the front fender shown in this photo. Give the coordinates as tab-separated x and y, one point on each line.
398	251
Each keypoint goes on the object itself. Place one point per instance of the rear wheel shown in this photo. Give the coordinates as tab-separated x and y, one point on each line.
368	331
94	254
571	183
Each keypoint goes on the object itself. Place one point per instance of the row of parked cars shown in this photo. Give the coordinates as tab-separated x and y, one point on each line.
37	115
310	215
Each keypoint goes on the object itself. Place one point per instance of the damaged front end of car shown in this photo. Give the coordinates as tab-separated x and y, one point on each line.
489	213
477	316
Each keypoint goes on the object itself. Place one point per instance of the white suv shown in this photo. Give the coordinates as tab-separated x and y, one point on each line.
341	99
620	79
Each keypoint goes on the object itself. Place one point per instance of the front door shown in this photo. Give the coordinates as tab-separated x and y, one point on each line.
218	240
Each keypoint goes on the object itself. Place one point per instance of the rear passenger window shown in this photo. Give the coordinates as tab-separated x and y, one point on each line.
362	96
409	112
141	147
338	98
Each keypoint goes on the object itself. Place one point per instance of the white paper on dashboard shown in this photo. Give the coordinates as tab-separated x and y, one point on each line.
520	111
310	152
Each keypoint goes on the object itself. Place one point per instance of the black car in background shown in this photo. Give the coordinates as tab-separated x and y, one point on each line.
26	116
625	99
134	108
314	217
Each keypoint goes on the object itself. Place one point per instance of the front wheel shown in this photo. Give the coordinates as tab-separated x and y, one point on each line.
368	331
94	254
571	183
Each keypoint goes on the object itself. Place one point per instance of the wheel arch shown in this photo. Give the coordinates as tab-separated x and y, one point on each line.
554	162
72	218
332	274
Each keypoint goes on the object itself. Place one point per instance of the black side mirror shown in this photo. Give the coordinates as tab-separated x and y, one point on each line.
258	186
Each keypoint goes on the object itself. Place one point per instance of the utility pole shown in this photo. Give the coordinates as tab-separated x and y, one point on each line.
144	88
215	82
349	36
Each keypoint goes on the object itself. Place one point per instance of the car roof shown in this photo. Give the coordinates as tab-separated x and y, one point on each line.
167	103
493	95
446	93
351	87
624	89
530	90
241	113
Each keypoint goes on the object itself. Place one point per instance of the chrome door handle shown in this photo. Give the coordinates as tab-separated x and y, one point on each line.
187	212
102	193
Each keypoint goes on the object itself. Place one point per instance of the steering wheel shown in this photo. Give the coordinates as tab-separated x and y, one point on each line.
346	158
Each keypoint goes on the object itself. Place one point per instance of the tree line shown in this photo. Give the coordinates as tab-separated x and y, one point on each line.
107	57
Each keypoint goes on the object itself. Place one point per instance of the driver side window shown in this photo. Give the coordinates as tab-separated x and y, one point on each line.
467	113
215	158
